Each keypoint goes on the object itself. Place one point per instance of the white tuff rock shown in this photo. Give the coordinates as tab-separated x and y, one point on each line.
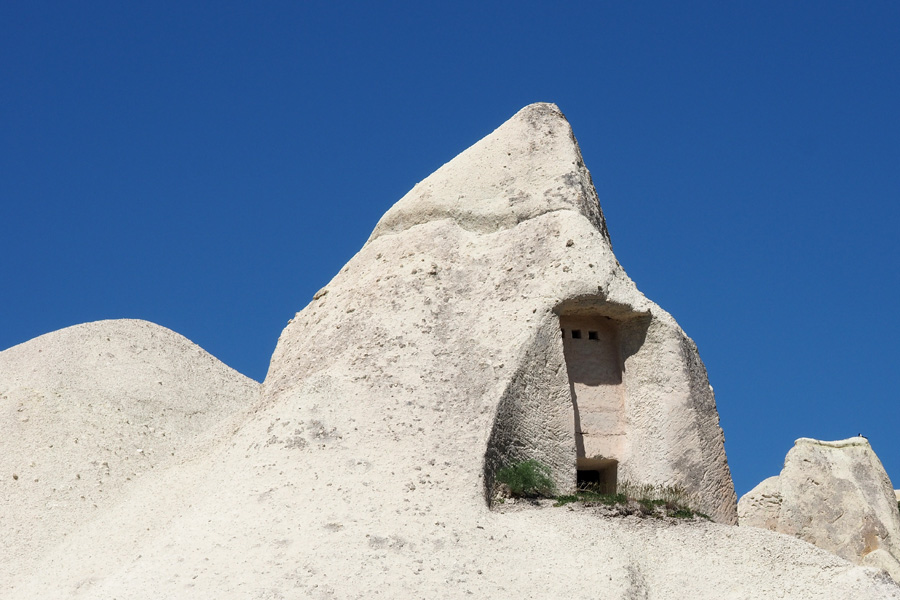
835	495
87	410
433	357
467	297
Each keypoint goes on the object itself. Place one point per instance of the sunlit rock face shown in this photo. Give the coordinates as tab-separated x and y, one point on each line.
489	297
88	410
485	321
835	495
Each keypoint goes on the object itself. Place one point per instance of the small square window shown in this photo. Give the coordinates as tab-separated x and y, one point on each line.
576	334
592	335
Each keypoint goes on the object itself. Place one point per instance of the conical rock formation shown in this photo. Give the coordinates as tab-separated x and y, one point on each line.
528	167
835	495
457	300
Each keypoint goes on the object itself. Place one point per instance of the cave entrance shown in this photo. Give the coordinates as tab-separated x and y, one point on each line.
598	474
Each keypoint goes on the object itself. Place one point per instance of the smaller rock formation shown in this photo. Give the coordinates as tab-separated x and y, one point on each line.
88	410
835	495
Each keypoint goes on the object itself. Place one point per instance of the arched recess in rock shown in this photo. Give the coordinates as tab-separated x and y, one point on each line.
565	405
598	337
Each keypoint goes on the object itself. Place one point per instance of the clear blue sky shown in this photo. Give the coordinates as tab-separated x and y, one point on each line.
209	166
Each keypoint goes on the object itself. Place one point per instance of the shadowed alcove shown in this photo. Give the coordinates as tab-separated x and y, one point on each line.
566	402
594	365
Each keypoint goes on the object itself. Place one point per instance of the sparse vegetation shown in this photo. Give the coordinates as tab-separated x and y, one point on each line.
686	513
587	495
530	479
643	500
659	494
526	479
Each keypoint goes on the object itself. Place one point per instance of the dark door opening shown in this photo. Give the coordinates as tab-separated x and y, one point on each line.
598	475
588	479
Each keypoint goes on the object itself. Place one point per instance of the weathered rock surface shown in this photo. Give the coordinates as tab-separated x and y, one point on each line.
432	357
457	300
87	410
835	495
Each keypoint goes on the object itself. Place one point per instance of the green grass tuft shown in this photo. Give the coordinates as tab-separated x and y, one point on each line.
527	479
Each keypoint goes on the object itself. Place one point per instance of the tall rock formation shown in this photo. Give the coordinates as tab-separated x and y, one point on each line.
835	495
446	347
489	295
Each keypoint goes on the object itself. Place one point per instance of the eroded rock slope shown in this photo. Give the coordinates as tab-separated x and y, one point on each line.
86	410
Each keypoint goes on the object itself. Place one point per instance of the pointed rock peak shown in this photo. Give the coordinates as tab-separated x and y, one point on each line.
529	166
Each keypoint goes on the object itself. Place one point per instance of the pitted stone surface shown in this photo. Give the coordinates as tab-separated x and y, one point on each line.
87	410
835	495
434	356
458	295
529	166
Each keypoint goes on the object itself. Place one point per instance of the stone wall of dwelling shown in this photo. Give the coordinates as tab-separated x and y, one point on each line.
674	437
594	367
642	400
534	416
